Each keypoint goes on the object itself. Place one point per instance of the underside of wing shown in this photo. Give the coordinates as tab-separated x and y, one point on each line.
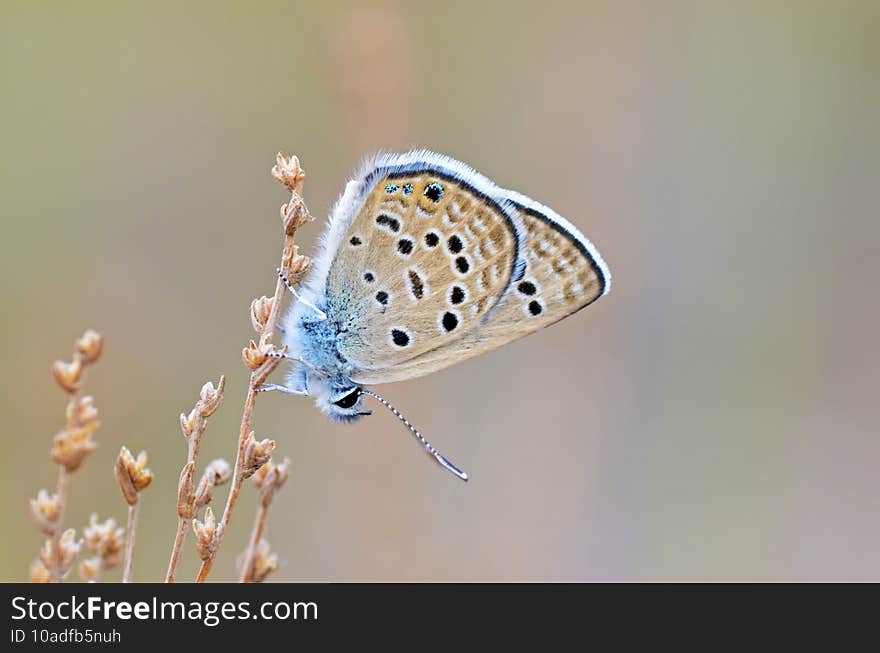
425	258
563	274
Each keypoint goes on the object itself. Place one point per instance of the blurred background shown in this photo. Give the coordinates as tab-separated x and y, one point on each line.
713	418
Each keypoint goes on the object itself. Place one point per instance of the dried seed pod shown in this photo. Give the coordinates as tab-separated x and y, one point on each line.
62	557
81	411
261	309
270	478
90	569
73	445
265	562
288	172
216	473
68	375
38	572
132	475
256	454
105	540
205	535
185	496
90	346
211	397
255	355
45	510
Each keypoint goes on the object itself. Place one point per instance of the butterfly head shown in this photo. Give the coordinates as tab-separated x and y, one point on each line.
342	403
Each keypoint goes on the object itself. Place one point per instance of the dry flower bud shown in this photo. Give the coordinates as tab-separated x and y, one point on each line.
288	171
46	511
210	397
255	355
189	423
105	540
299	266
62	557
265	562
39	573
68	375
294	214
90	346
216	473
205	532
73	445
260	310
81	411
185	491
270	478
90	569
132	475
256	454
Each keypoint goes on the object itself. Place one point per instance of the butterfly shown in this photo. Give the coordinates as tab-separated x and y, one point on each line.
424	263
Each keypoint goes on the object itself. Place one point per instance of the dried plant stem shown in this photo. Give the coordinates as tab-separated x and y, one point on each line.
293	214
183	525
61	489
189	499
256	536
258	562
183	521
247	420
133	511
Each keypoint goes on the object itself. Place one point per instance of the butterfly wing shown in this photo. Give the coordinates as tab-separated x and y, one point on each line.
428	251
563	274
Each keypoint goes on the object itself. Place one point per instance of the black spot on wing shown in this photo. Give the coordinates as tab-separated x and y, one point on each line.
417	286
385	220
449	321
399	338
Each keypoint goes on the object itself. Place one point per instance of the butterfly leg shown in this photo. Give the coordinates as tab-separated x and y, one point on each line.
299	297
272	387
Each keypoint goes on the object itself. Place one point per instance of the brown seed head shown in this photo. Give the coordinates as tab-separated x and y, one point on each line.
132	475
62	557
90	346
294	214
216	473
73	445
185	496
260	310
68	375
265	562
81	411
210	397
46	511
288	172
205	532
90	569
255	355
105	540
256	454
189	423
270	478
39	573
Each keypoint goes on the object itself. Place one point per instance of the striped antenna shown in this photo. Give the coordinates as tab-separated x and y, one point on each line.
321	314
427	445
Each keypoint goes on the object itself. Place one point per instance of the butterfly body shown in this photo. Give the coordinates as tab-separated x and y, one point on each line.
424	263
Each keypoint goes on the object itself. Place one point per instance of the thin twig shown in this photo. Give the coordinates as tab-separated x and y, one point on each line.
268	479
61	491
257	356
133	511
193	427
256	535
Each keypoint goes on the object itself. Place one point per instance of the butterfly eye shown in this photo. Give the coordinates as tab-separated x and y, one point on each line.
348	400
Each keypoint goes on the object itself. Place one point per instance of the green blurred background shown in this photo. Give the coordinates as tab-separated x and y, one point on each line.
713	418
